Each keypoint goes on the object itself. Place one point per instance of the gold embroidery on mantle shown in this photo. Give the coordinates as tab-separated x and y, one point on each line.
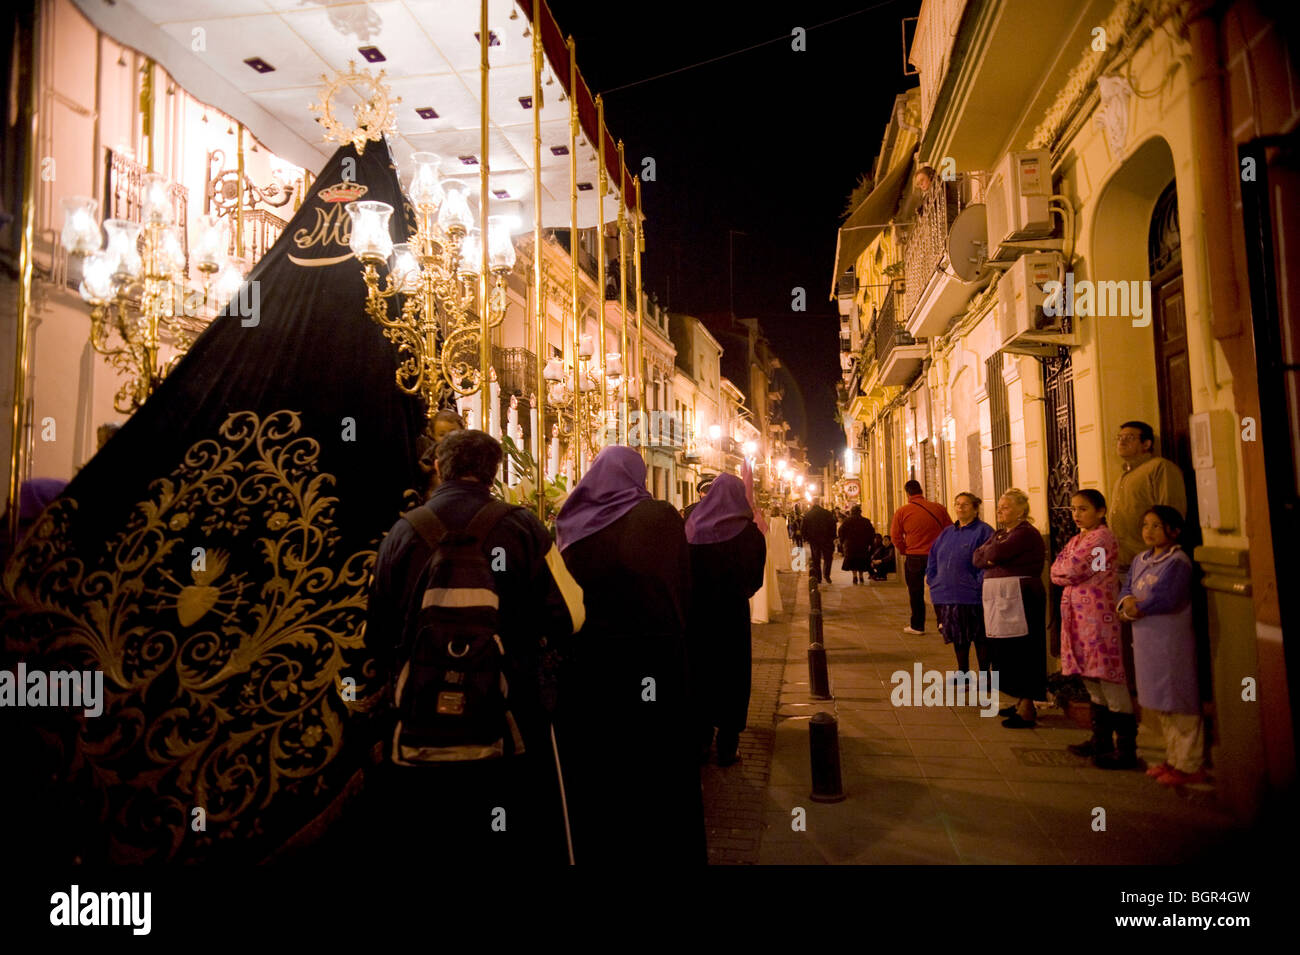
222	667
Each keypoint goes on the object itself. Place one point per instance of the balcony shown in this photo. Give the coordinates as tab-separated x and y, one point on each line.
933	294
936	32
899	355
516	372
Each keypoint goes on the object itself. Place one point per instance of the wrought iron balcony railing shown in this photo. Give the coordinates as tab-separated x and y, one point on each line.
889	333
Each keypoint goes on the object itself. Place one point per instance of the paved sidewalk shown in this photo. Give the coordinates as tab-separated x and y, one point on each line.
931	785
734	797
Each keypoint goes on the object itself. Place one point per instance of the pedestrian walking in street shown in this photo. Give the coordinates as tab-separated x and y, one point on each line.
1090	647
883	558
628	744
1015	605
1156	597
819	530
728	554
857	534
1147	480
796	527
915	527
438	794
956	584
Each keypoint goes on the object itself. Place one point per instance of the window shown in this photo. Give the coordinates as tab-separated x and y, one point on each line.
1000	420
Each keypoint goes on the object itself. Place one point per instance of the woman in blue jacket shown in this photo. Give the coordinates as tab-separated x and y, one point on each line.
956	584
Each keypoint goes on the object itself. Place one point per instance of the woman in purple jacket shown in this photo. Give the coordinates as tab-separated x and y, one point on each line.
955	582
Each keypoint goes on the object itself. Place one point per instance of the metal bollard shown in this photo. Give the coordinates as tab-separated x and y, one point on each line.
814	613
817	676
824	752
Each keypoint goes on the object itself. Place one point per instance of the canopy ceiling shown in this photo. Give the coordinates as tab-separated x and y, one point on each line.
432	60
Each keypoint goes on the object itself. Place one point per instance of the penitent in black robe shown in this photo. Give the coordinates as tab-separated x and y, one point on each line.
723	578
626	747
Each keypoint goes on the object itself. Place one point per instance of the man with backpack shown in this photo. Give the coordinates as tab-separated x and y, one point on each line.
915	527
469	599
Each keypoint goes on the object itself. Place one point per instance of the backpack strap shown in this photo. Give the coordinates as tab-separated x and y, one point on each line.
426	524
489	514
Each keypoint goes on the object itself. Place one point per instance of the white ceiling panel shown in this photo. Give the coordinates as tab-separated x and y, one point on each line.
392	29
231	40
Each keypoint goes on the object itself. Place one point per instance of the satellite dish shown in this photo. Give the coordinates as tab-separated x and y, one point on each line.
968	244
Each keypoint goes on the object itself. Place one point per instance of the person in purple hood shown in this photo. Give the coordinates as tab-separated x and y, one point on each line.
624	714
728	553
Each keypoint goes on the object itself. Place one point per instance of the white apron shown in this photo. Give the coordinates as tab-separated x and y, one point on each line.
1004	608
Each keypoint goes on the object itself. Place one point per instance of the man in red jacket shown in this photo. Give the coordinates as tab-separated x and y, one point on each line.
914	528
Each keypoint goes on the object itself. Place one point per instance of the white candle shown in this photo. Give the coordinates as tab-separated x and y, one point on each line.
553	459
535	431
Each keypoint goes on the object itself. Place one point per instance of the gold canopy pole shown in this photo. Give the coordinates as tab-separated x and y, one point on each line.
485	347
573	258
24	282
637	240
601	187
239	195
622	283
539	303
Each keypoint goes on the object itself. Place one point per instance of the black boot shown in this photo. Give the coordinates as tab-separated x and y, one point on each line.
1101	734
1125	755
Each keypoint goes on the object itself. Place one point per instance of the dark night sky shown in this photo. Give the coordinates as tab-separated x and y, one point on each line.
768	142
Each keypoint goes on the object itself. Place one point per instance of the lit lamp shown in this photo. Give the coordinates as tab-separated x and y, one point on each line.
715	432
749	448
371	241
432	272
134	282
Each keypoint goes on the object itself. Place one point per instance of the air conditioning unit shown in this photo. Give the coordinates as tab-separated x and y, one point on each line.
1017	201
1024	326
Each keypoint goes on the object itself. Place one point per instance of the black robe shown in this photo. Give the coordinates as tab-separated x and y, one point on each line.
857	536
629	761
723	578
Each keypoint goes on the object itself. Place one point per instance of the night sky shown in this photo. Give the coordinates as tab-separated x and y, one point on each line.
767	142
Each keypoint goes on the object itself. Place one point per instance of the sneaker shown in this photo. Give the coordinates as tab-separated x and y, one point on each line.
1176	777
909	629
1155	772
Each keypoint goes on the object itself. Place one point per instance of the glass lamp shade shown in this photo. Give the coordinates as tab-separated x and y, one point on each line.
81	234
471	254
585	347
121	248
157	203
404	268
170	254
455	217
553	371
588	383
227	283
614	365
501	251
97	278
425	189
370	241
212	240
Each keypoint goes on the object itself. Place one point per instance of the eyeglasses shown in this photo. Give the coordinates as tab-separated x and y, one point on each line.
1125	438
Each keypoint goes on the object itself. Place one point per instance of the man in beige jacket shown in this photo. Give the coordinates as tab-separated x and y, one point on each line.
1147	480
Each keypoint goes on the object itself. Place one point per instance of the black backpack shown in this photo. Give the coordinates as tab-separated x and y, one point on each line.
452	697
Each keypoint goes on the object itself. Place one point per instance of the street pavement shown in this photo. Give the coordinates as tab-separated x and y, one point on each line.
930	785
